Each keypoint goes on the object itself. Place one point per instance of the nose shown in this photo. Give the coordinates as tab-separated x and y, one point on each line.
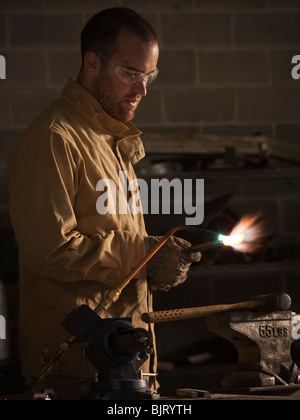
141	88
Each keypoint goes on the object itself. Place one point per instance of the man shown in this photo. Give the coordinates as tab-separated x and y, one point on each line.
70	254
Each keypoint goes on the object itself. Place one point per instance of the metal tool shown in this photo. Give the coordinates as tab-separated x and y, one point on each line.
261	331
272	302
263	343
117	349
112	296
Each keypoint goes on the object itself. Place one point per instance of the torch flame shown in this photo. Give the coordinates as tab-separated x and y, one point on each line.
232	239
246	235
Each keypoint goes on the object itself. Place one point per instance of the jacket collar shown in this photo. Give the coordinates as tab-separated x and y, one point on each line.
126	134
92	111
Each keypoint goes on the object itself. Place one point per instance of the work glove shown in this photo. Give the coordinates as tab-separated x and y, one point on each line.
170	265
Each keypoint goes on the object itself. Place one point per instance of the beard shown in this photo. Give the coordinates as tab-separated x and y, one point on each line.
105	92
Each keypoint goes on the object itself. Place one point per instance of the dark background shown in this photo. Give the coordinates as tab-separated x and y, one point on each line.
225	71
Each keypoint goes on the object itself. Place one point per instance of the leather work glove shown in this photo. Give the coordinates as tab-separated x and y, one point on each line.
170	265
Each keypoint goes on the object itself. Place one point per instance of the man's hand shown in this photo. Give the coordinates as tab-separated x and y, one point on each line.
170	265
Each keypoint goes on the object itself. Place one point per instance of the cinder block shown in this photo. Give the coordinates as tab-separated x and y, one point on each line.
282	66
45	30
4	198
291	211
62	65
231	4
149	110
28	104
274	29
196	105
163	4
81	5
2	30
269	103
195	30
26	68
177	67
289	133
287	4
233	67
236	129
22	5
4	107
8	138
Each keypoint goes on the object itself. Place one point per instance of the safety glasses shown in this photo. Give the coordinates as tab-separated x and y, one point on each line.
131	77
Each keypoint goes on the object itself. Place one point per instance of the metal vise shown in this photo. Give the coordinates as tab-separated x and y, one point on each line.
117	349
263	342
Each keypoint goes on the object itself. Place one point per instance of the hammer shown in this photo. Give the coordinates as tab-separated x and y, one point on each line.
264	303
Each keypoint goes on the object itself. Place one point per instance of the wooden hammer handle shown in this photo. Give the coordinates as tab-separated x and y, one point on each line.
189	313
264	302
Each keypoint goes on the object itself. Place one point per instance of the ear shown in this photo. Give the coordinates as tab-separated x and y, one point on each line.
92	62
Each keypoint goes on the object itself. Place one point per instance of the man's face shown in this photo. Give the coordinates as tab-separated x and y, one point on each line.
118	98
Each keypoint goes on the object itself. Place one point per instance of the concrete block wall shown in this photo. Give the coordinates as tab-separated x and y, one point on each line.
225	66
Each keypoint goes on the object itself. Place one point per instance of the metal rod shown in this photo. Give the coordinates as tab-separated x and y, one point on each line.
114	294
205	246
108	300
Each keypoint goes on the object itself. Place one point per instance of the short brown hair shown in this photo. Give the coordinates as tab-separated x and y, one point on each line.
101	31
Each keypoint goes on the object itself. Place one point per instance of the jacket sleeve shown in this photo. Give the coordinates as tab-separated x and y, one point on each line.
43	180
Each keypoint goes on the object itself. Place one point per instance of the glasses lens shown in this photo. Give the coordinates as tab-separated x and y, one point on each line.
130	77
152	76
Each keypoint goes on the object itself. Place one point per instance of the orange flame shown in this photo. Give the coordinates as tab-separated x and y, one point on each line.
247	234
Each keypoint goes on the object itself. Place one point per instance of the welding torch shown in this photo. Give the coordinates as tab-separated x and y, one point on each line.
111	297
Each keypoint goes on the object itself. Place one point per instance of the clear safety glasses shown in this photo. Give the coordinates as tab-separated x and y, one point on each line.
130	77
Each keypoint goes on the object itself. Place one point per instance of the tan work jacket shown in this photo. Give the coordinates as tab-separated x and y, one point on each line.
69	253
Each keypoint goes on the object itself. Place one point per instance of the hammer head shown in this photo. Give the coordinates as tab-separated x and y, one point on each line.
273	302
